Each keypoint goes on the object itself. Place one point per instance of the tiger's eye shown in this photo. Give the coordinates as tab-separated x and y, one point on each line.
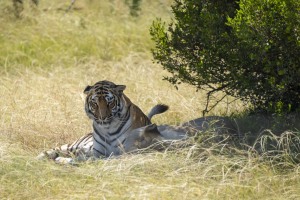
93	105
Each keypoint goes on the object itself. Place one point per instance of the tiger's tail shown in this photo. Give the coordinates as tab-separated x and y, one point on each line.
157	109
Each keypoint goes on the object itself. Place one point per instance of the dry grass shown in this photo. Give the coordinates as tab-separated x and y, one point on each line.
48	57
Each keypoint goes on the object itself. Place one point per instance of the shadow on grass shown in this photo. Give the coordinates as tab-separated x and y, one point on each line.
271	139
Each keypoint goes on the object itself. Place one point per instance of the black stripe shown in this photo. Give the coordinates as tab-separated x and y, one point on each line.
79	141
124	121
122	134
124	141
98	151
88	137
116	138
99	134
99	143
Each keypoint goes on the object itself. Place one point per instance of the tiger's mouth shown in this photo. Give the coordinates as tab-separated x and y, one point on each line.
105	120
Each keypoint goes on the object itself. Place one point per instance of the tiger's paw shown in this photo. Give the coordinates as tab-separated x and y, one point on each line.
42	156
64	161
50	154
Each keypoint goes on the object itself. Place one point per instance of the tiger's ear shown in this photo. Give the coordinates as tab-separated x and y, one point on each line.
87	89
120	88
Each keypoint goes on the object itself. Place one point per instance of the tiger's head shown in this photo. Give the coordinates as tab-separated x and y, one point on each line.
103	101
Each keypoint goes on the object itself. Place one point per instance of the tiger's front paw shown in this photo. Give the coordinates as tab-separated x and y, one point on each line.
63	160
42	156
50	154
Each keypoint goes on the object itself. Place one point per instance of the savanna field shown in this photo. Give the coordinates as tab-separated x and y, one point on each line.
48	56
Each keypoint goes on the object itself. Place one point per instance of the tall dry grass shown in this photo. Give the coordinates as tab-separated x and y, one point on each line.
48	57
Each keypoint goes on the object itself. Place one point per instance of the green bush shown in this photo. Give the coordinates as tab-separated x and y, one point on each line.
248	49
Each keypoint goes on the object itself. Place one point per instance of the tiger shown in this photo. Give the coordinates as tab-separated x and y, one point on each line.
114	117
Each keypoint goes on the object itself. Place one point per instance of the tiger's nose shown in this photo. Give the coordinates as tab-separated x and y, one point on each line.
104	112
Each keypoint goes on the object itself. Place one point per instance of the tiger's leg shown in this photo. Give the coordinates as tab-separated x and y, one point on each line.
80	150
52	154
